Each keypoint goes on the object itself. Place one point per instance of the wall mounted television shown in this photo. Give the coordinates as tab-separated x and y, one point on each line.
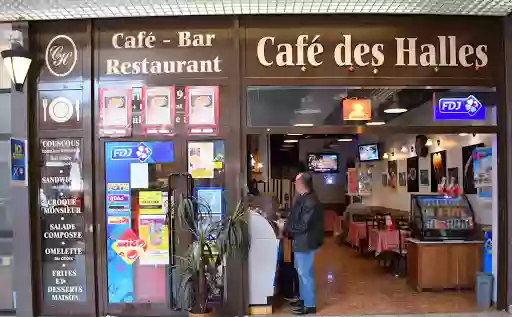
369	152
323	162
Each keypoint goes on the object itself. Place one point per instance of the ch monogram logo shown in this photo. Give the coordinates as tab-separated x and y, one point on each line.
61	55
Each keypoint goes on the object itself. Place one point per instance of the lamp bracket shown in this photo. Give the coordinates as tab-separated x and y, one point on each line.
14	37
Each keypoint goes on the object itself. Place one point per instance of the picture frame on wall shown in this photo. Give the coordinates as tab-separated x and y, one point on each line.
158	110
202	109
412	174
402	179
424	179
384	179
437	169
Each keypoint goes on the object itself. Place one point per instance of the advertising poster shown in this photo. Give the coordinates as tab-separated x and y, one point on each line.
129	246
62	221
201	159
482	171
150	202
211	197
118	159
155	233
202	109
157	111
115	112
352	181
18	162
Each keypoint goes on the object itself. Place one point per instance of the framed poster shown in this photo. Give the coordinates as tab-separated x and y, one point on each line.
201	159
202	109
158	110
412	175
468	182
115	112
437	170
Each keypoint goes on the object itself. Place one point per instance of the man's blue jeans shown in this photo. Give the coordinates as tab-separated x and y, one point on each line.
304	265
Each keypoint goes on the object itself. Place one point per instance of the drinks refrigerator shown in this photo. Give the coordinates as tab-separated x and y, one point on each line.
442	217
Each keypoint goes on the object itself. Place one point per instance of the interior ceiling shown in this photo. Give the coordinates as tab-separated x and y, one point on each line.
11	10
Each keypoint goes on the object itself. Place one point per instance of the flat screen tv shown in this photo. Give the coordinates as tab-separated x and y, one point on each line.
369	152
323	162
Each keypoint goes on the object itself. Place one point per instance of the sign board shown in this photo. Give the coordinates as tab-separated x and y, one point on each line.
357	109
18	162
464	108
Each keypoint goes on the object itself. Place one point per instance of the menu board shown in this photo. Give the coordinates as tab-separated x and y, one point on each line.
62	221
159	110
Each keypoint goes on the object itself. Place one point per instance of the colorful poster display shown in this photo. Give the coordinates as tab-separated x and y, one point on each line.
150	202
201	159
115	112
129	246
118	158
18	162
482	171
202	109
157	111
155	233
352	181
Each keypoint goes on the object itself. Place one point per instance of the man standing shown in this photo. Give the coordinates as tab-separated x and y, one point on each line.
305	225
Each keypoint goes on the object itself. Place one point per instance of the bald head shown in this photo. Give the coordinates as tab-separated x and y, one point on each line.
304	183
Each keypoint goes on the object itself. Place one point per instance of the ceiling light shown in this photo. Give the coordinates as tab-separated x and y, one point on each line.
375	123
463	134
429	142
291	141
294	134
303	124
403	149
385	156
345	140
288	145
394	110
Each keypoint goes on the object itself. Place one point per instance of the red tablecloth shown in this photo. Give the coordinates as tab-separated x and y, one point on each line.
356	231
385	240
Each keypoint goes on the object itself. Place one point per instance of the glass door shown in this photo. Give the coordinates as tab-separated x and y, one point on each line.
138	237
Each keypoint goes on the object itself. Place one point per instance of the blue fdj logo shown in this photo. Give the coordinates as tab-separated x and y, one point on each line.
141	152
468	108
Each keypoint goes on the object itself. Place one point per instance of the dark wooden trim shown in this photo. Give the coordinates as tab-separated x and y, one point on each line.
373	130
504	299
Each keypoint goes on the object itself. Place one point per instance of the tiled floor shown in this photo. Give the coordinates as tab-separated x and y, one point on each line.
348	284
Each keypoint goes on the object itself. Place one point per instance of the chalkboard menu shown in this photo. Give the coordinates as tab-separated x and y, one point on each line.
62	221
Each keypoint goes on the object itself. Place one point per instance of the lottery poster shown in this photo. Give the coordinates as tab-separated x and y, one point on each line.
155	233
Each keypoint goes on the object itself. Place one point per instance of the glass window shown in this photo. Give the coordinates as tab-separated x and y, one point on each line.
324	106
136	175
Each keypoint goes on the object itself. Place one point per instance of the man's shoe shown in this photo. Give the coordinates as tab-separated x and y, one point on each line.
301	310
296	303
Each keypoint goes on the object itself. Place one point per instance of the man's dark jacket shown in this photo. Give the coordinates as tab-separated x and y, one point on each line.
305	224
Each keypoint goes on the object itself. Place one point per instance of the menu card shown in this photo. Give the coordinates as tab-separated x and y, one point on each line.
62	221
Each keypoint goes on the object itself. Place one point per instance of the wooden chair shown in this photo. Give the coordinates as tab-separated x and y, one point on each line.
400	253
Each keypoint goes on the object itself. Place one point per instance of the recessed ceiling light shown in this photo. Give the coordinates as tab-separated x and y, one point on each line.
395	110
345	140
303	124
291	141
294	134
463	134
375	123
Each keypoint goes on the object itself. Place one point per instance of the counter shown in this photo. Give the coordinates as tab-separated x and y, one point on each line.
438	265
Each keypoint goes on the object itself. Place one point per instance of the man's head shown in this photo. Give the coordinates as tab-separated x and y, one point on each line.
303	183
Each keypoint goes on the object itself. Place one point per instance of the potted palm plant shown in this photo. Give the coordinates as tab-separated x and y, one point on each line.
212	241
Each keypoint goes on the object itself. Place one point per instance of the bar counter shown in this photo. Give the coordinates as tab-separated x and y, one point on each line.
438	265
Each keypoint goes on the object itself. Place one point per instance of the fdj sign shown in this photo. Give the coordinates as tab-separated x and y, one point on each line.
468	108
141	152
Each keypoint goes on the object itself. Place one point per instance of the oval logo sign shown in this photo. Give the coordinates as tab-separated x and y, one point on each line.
61	55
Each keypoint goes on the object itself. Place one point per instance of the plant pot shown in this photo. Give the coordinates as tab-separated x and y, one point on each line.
209	314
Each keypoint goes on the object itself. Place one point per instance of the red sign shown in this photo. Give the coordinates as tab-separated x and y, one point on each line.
158	110
202	109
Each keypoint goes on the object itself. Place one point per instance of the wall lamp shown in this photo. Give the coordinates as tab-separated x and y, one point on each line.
17	60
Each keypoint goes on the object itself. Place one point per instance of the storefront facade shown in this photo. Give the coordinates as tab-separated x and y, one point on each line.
90	95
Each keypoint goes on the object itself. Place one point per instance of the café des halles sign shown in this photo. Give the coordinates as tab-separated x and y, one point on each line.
309	50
